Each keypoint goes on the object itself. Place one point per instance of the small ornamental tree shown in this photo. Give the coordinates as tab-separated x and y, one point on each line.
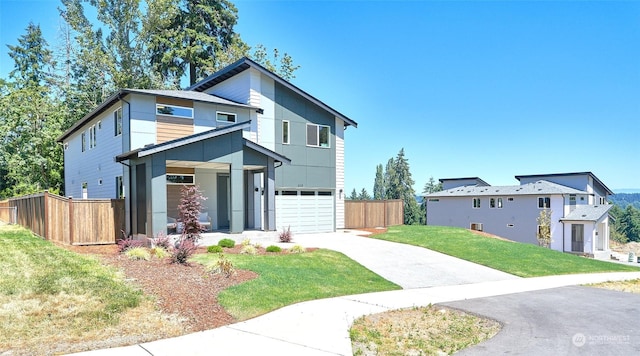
544	228
189	211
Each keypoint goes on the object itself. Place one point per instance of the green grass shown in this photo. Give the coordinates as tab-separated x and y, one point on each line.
520	259
291	278
47	291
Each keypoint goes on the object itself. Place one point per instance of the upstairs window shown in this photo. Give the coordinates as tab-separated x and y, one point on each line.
285	132
174	110
544	202
92	136
476	203
119	188
317	135
492	203
84	141
499	203
226	117
117	122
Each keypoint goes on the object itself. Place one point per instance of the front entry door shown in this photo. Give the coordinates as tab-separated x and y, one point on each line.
223	190
577	237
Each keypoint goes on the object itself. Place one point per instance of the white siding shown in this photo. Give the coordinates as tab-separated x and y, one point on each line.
143	120
94	164
235	88
265	99
339	174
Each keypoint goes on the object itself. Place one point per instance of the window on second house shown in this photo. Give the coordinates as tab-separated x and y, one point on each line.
317	135
544	202
499	203
492	203
285	132
117	122
476	203
174	110
225	117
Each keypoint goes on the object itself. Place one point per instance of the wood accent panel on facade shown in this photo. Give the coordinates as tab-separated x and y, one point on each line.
170	128
174	101
181	170
373	213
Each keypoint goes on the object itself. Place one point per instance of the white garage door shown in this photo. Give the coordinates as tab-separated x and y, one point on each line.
305	211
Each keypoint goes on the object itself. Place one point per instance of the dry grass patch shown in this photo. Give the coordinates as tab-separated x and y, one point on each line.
419	331
632	286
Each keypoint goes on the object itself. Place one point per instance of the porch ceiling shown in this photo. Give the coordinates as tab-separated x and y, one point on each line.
207	165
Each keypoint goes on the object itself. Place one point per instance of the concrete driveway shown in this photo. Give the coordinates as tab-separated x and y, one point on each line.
562	321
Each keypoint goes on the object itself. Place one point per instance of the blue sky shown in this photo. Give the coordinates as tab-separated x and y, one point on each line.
490	89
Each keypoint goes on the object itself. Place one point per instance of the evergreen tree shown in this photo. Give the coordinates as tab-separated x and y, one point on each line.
431	186
354	195
378	184
364	195
400	186
630	223
30	120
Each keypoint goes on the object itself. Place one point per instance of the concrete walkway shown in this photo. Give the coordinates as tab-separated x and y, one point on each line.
321	327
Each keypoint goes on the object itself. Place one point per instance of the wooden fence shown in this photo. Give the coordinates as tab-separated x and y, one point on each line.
373	213
68	221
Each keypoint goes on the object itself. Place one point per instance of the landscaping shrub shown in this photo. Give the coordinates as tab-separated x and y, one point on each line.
182	251
285	235
214	249
138	253
162	241
128	242
222	265
273	248
249	250
226	243
159	252
246	242
189	211
297	249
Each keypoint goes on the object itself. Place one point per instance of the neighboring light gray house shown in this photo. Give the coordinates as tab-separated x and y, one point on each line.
578	202
266	154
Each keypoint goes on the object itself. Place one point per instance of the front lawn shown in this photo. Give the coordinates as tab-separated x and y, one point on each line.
286	279
524	260
54	301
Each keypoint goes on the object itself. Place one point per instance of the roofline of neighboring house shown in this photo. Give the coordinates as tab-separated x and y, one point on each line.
245	63
609	191
120	94
465	178
168	145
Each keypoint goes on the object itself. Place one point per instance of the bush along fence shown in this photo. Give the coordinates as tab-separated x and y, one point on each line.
69	221
373	213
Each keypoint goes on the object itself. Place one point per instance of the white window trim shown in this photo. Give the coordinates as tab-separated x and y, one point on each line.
288	132
473	203
317	145
115	121
175	106
499	203
543	207
227	113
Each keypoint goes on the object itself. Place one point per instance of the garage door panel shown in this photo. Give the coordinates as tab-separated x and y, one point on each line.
305	213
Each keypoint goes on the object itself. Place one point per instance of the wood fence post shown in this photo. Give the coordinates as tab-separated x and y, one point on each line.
71	232
45	218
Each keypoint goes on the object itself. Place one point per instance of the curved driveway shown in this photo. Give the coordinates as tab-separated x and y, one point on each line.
406	265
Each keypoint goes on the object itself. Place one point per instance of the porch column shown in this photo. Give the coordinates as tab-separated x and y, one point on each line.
270	196
236	179
158	195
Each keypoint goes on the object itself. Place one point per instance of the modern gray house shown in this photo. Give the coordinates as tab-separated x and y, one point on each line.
265	153
578	204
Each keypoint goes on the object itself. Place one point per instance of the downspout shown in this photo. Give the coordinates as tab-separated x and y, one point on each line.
120	97
563	195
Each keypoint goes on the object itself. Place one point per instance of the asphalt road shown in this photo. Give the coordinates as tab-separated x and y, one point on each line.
561	321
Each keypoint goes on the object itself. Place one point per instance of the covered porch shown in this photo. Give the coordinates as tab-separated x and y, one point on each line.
237	176
586	230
